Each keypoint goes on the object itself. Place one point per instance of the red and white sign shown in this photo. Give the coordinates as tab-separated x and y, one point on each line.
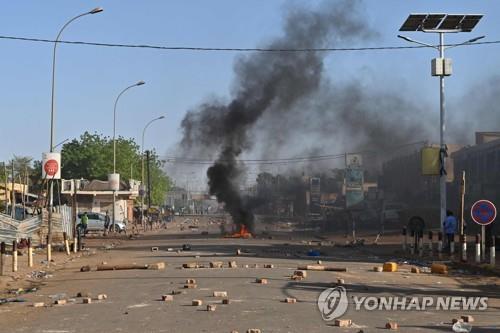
51	165
483	212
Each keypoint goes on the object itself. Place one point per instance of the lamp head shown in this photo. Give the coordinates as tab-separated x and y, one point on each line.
96	10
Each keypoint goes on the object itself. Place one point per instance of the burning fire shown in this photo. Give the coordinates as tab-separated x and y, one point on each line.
243	233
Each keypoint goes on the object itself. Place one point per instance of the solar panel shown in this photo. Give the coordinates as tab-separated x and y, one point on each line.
432	21
470	21
437	22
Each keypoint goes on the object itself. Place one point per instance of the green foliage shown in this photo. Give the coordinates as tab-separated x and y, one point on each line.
91	157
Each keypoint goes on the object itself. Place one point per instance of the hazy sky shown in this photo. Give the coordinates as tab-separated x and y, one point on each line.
88	78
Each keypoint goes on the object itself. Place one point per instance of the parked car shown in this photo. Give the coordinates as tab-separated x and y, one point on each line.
96	222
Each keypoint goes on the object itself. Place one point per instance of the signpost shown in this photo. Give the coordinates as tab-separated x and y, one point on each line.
483	212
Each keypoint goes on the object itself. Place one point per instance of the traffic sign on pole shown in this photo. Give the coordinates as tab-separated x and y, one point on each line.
483	212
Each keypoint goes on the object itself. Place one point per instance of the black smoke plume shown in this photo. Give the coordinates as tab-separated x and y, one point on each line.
267	83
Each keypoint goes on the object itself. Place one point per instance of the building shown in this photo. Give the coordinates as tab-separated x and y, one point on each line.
96	196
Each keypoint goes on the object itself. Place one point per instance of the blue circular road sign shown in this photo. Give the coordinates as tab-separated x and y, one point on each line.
483	212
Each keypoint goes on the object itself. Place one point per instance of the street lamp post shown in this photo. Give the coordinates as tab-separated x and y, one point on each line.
52	116
140	83
441	24
142	164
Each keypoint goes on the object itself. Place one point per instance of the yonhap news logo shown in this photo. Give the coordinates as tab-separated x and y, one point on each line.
334	302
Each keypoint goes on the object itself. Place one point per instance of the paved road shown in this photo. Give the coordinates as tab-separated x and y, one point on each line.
134	305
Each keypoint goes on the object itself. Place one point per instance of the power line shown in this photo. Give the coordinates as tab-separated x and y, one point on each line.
234	49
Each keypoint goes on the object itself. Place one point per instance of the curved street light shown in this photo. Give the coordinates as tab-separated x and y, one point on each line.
52	115
142	163
139	83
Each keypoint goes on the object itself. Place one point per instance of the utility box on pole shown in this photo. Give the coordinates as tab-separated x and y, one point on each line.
441	67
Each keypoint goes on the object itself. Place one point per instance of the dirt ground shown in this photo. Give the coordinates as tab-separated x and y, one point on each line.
134	303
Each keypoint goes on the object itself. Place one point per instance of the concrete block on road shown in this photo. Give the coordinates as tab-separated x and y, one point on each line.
60	302
216	264
167	298
268	266
340	281
390	267
300	273
220	293
377	269
157	266
190	286
83	294
343	322
226	301
190	265
85	268
155	248
415	270
190	281
439	269
261	281
211	307
392	325
102	297
87	300
232	264
290	300
197	302
467	319
253	330
38	304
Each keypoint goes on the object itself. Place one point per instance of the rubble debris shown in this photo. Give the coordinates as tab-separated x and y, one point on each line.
300	273
121	267
290	300
11	300
461	327
232	264
211	307
216	264
190	265
87	300
253	330
83	294
39	275
261	281
186	247
268	266
220	294
85	268
467	319
157	266
415	270
167	298
391	325
390	267
439	269
197	302
343	322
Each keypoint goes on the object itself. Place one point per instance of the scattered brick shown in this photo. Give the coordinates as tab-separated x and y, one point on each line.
87	300
391	325
467	319
261	281
300	273
390	267
190	265
211	307
290	300
167	298
343	322
197	302
216	264
220	293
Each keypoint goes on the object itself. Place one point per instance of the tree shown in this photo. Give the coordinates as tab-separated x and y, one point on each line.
91	157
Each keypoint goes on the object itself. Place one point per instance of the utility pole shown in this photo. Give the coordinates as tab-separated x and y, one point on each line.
5	184
13	195
149	178
462	203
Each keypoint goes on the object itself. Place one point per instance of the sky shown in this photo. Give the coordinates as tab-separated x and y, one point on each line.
88	78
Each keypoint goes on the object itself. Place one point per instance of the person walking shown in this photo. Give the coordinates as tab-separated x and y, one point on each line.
84	222
107	223
450	227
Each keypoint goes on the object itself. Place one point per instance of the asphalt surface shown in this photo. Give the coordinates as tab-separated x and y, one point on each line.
134	303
